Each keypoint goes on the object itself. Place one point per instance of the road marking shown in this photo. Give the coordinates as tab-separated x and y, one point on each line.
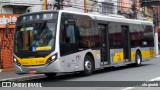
154	79
128	88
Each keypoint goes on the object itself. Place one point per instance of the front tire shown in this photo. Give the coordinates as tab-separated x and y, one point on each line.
88	66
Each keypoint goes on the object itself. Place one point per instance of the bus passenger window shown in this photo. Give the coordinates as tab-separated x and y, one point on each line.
70	34
68	43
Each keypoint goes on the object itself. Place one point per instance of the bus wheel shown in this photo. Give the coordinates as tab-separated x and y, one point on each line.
50	75
88	65
138	59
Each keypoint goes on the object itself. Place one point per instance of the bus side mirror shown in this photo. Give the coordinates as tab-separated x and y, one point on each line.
69	22
7	29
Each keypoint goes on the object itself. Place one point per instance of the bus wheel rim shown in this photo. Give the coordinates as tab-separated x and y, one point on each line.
138	59
88	65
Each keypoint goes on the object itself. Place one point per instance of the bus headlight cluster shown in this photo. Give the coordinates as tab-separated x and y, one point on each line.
52	59
16	62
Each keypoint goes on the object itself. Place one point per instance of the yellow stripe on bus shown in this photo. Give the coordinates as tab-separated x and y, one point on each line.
148	53
119	56
133	55
33	61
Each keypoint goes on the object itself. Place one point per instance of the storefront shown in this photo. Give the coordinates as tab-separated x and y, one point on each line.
6	42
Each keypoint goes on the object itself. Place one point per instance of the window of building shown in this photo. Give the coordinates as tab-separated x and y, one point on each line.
107	8
19	10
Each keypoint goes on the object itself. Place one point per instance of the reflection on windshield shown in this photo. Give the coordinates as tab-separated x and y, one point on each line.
35	37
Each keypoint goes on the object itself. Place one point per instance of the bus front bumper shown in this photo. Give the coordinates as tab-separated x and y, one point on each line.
51	68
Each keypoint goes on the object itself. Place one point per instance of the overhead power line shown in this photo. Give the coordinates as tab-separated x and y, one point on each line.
80	6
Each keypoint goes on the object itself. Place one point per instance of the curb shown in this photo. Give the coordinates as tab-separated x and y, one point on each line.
23	78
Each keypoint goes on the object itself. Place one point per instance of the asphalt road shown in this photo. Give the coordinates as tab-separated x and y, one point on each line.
150	70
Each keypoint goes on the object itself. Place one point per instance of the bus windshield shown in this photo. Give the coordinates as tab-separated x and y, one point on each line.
35	37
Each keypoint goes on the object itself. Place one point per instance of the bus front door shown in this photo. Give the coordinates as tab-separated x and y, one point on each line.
126	43
105	52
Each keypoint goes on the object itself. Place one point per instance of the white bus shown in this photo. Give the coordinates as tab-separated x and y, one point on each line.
52	42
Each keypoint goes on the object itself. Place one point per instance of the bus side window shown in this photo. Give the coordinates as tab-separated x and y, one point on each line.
70	33
68	43
67	33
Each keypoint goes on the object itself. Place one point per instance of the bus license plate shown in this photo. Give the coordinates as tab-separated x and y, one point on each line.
33	71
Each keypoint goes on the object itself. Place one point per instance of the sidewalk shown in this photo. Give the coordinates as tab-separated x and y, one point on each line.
12	76
7	69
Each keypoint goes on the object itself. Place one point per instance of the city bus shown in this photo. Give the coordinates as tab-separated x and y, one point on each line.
59	41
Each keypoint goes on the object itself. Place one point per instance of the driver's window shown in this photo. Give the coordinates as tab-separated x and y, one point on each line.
68	32
67	36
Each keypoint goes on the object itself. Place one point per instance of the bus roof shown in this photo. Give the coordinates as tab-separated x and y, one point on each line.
114	18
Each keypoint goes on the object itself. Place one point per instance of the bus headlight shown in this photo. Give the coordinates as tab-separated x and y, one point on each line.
52	59
16	62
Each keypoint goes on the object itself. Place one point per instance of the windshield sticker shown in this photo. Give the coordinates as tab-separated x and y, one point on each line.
44	48
33	49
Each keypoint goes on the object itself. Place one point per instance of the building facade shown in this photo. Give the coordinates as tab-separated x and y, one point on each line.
130	9
6	41
20	6
9	11
99	6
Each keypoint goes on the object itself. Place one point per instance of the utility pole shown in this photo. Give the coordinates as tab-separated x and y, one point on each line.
45	5
155	20
85	6
134	5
